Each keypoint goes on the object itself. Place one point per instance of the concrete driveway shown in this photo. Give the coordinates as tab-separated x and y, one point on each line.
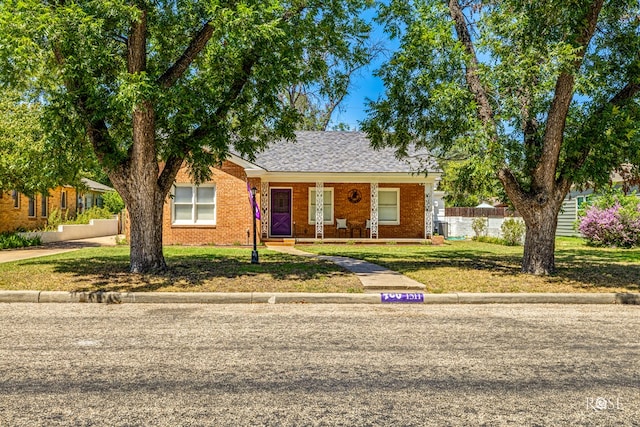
319	365
8	255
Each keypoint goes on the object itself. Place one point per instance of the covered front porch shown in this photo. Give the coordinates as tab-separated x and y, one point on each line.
354	209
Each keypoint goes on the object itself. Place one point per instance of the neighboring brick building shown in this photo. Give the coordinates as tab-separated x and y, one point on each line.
360	193
20	212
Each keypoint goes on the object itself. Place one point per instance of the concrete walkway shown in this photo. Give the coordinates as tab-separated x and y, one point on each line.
9	255
374	278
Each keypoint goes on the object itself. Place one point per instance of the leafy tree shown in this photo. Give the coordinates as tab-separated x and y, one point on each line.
113	202
153	85
28	162
543	93
465	186
21	146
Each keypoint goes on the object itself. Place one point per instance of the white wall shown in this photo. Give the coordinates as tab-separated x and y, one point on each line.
95	228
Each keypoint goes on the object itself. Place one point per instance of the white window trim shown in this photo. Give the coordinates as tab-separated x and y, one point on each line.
194	204
397	191
309	199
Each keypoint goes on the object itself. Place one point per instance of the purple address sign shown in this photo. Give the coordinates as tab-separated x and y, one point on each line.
402	298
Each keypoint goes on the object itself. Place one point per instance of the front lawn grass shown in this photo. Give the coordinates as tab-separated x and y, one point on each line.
469	266
191	269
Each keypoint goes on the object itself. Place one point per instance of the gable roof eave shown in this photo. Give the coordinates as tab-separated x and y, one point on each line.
351	177
247	165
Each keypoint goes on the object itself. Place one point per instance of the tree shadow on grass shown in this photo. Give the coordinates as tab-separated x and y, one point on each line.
195	272
586	268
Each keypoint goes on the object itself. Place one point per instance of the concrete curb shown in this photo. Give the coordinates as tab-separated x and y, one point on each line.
307	298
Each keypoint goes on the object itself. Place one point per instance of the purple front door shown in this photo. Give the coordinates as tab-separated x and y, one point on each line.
281	212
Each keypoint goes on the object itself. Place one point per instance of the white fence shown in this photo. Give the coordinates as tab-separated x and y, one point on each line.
95	228
460	226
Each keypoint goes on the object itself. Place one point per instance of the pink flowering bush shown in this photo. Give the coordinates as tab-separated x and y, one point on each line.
613	220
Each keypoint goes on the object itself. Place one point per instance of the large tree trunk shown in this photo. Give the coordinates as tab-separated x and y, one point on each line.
138	183
540	240
145	213
138	180
540	210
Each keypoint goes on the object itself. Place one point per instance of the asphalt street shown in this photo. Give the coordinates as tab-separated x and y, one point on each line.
319	365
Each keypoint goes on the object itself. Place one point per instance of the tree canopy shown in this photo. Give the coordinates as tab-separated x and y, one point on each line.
152	85
540	94
28	162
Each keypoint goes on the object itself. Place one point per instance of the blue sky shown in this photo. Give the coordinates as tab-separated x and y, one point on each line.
365	84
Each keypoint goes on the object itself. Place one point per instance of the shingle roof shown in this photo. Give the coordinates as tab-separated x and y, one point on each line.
337	152
95	186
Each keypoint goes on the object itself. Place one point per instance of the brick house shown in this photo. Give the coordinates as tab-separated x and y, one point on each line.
360	193
21	212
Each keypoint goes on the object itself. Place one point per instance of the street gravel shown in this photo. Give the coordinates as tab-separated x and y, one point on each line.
319	365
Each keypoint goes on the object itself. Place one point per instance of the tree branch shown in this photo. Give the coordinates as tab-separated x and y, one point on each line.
198	43
137	45
630	90
544	173
169	172
96	129
485	111
625	94
175	161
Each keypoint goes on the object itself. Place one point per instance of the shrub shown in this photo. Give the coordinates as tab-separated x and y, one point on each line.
492	240
512	231
93	213
113	202
479	226
55	218
613	220
13	240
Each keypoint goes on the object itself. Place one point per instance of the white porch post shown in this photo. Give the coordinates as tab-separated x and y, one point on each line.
319	210
374	210
428	210
264	206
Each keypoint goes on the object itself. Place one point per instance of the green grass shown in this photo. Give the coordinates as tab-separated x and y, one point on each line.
461	266
192	269
470	266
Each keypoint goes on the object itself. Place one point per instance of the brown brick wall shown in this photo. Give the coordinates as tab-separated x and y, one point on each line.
233	211
12	219
234	220
411	209
411	213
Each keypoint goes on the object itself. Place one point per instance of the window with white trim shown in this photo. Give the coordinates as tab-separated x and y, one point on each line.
63	199
389	206
327	205
194	205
